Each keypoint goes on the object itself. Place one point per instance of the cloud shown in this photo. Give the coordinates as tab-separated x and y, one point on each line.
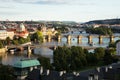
49	2
42	1
10	13
36	1
6	7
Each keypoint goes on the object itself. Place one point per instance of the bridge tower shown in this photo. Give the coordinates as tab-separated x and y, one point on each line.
89	39
111	39
80	39
59	38
49	38
44	40
69	39
100	39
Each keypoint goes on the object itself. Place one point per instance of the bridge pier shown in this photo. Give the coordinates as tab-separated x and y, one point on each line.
29	52
6	48
49	38
69	39
80	39
111	39
100	39
89	39
59	38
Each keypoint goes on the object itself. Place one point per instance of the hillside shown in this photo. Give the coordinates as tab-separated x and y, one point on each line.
107	21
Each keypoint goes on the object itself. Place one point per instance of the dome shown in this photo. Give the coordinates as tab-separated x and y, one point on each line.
21	28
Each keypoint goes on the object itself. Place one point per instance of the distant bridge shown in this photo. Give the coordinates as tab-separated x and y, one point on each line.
53	47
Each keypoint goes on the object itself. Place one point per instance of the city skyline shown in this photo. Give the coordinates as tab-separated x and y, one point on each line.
59	10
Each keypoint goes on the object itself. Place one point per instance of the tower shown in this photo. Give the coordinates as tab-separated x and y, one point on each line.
21	28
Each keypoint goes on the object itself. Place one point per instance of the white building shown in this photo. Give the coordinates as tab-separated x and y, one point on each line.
10	34
118	48
4	34
21	28
21	31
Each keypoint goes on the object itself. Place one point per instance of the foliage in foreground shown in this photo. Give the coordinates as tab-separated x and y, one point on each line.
76	58
45	62
6	72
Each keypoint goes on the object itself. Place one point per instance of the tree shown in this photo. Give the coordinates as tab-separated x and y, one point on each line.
79	56
21	40
38	36
6	73
91	59
28	39
45	62
113	45
1	45
8	40
69	58
100	30
62	58
15	42
99	53
109	57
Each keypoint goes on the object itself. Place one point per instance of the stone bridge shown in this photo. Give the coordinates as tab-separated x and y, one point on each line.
79	38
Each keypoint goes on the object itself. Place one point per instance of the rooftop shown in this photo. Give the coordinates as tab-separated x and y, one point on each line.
26	63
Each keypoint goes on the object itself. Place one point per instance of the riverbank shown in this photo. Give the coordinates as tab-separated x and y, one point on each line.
2	50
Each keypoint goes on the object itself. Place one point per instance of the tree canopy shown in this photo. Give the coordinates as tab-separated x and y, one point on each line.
6	73
38	36
99	30
76	58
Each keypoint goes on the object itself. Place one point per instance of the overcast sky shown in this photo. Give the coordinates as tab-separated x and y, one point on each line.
59	10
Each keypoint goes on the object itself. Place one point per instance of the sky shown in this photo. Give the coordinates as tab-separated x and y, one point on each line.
59	10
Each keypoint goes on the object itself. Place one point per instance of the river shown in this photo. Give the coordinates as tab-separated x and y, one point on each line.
10	59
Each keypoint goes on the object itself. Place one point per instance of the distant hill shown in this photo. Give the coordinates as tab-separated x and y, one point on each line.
107	21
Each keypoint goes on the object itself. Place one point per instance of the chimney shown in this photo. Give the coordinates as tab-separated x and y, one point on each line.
77	74
74	73
110	67
61	73
91	77
31	68
106	69
35	67
98	69
48	72
41	70
64	72
96	77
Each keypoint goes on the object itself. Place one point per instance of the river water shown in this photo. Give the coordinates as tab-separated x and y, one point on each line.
10	59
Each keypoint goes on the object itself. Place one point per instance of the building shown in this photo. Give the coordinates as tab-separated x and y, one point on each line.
109	72
21	31
23	67
44	29
10	34
118	48
4	34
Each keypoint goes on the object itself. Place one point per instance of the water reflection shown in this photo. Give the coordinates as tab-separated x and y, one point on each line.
10	59
46	52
